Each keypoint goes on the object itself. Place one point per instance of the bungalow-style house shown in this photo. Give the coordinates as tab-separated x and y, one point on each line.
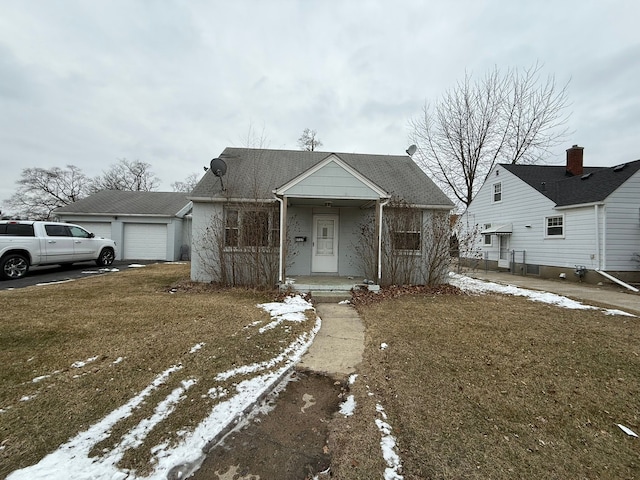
144	225
574	222
264	216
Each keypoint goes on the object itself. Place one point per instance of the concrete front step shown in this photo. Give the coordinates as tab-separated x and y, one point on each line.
330	296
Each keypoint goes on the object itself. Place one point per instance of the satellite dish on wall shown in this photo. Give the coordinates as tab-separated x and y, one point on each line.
411	150
218	167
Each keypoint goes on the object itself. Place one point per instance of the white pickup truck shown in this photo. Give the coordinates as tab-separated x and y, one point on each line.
24	244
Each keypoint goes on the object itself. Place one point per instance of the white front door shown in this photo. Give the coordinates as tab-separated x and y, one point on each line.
503	256
325	244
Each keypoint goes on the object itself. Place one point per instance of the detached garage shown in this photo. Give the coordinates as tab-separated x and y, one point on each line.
144	225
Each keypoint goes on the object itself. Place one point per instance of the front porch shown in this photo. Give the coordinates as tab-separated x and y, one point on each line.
327	288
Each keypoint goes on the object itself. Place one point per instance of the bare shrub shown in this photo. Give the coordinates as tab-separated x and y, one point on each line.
414	245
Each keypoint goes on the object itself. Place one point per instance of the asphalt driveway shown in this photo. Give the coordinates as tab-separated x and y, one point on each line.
56	273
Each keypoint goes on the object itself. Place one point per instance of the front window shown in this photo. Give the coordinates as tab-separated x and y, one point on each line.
554	226
251	227
497	192
406	231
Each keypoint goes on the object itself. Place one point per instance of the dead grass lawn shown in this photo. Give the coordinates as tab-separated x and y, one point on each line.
137	329
495	387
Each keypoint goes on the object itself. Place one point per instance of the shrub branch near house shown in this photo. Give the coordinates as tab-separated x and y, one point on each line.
280	213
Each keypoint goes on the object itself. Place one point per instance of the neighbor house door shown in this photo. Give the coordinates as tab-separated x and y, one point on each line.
324	258
503	258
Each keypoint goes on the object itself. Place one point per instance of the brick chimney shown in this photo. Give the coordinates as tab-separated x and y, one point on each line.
574	160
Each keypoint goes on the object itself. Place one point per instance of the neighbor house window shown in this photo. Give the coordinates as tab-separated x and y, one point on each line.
251	227
406	232
554	226
487	237
497	192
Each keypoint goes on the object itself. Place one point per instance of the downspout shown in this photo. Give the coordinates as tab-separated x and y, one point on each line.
282	227
382	204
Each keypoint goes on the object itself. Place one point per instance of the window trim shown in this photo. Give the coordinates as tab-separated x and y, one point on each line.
547	226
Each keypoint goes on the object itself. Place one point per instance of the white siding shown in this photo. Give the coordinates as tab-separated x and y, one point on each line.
623	226
204	215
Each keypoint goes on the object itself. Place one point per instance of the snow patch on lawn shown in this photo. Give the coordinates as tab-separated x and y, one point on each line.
348	407
291	310
81	363
473	285
388	446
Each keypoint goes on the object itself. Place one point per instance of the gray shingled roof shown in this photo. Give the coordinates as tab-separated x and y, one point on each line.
119	202
594	185
255	173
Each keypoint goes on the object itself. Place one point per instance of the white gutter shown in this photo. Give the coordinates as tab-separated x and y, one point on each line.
230	200
617	280
577	205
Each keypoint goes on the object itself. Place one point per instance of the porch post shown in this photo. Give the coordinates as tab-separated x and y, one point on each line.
283	229
379	232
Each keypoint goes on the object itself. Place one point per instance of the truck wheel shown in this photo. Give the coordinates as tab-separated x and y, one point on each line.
13	266
106	257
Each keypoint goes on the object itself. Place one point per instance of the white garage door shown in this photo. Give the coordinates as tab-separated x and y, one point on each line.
99	229
145	241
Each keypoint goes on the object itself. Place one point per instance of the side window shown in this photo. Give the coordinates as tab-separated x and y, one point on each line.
554	226
17	230
497	192
57	230
79	232
487	238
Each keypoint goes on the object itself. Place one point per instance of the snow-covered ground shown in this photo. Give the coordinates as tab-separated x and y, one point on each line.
72	461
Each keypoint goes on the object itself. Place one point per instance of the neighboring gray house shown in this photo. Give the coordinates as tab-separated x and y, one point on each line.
553	220
145	225
280	213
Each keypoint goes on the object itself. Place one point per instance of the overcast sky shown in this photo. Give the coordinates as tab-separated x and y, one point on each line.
172	83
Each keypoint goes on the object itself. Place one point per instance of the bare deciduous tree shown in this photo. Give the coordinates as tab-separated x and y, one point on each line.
512	117
309	140
41	190
127	175
187	185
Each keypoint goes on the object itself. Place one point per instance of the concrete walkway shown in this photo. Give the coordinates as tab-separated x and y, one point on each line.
339	345
609	294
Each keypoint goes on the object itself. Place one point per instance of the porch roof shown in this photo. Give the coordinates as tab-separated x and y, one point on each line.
506	229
